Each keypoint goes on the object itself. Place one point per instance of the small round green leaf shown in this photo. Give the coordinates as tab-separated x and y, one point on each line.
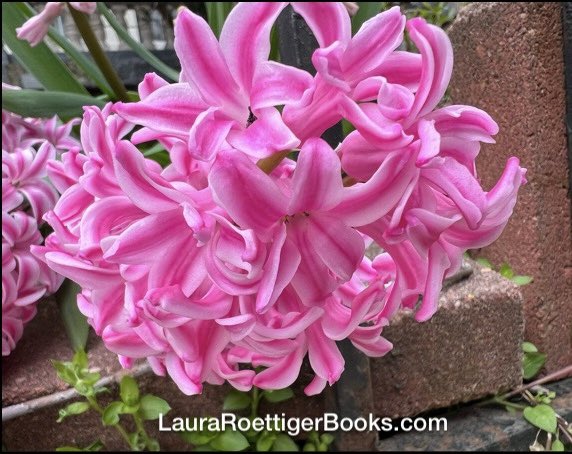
77	408
522	280
91	378
531	364
230	441
204	448
284	443
529	347
95	446
279	395
265	442
111	413
327	438
484	262
557	446
151	407
199	438
506	271
236	400
80	359
65	372
128	390
153	445
541	416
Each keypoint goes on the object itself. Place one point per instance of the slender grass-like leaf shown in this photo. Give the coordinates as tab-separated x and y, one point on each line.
137	47
75	323
274	45
40	61
216	14
46	104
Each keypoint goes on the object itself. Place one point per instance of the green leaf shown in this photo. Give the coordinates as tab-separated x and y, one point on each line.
90	69
199	438
265	442
531	364
236	400
68	449
506	271
154	149
153	445
274	45
217	13
347	127
95	446
230	441
284	443
65	372
557	446
279	395
110	415
327	438
541	416
204	448
77	408
529	347
80	359
151	407
43	104
136	441
366	11
522	280
484	262
128	390
309	447
75	322
40	61
136	47
91	378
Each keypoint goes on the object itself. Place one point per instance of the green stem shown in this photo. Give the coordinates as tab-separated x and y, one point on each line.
500	401
254	402
141	428
507	403
267	165
95	405
98	54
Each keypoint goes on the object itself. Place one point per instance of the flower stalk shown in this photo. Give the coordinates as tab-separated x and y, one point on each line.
99	55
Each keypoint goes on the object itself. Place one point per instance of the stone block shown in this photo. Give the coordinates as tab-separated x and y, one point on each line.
509	61
469	349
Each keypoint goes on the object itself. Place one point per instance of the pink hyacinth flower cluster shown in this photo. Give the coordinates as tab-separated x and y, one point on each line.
28	145
36	28
248	250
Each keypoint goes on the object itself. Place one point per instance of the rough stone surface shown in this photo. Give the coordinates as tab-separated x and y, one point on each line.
485	429
27	373
509	62
469	349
